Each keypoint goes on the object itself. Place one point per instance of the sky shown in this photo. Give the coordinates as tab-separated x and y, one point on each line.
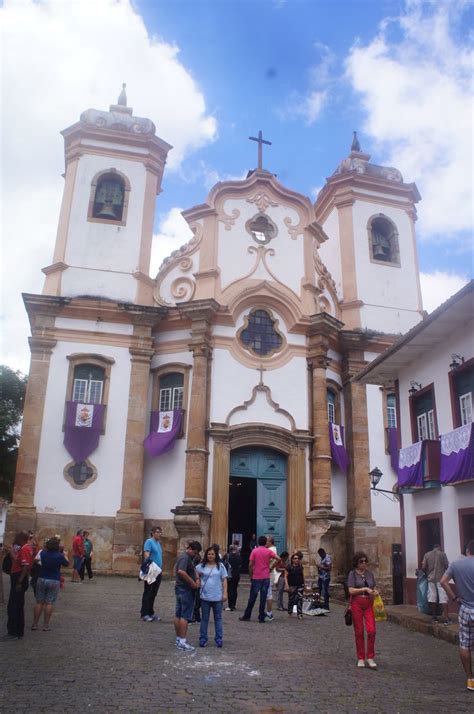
211	73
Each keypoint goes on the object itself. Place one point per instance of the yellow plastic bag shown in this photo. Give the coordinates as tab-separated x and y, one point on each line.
379	609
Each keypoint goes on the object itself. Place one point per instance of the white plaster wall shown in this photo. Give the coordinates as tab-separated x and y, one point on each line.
98	283
330	251
392	320
384	511
232	384
161	338
163	482
162	359
384	285
53	493
66	323
98	245
433	367
339	490
234	260
448	501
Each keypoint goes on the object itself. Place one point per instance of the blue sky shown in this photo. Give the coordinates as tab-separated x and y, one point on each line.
210	73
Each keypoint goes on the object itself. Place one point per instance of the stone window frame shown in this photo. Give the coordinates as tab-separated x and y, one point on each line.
71	481
272	225
126	191
395	245
275	322
169	368
336	389
83	358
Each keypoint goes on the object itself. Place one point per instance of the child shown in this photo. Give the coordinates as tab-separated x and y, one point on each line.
213	576
294	585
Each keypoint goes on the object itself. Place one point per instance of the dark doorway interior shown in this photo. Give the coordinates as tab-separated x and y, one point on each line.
243	513
429	534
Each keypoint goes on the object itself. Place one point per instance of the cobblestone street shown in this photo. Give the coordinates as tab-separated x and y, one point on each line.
99	657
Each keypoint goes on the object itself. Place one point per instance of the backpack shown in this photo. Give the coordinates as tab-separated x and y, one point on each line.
7	564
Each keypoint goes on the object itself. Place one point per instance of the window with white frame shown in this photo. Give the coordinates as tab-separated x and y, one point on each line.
465	407
88	385
426	426
171	392
331	402
391	411
425	415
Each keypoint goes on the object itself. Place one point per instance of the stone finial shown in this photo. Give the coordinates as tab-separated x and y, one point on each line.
122	100
355	146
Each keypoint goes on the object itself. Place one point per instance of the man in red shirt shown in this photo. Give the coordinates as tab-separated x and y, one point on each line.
22	561
259	569
79	553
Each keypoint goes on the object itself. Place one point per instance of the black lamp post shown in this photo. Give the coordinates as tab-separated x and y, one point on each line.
375	476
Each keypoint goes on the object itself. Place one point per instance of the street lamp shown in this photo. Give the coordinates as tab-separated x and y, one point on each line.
375	476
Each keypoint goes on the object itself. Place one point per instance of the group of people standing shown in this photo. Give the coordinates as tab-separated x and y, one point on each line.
29	564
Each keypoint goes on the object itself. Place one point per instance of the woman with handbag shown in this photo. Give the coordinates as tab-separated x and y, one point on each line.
361	584
213	576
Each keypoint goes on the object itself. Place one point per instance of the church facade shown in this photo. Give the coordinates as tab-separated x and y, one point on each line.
252	333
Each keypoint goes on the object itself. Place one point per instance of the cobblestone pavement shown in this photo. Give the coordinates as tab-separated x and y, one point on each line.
100	657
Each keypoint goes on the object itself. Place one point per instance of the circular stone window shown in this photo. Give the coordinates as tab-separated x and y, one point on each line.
261	228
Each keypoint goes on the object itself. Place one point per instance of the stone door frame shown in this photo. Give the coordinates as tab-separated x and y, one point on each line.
293	444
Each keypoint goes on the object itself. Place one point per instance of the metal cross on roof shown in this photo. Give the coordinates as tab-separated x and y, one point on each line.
260	140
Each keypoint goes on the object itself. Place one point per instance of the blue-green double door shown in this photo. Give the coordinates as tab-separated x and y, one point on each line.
268	467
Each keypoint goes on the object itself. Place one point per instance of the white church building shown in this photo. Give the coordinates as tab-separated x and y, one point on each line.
250	333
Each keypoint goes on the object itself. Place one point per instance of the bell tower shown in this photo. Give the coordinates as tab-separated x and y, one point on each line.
114	168
369	214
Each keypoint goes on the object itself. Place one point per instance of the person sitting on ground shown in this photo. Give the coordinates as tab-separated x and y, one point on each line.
213	592
294	585
462	572
47	586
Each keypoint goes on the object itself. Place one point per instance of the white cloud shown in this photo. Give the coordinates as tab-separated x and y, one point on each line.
64	57
173	232
438	286
416	91
308	105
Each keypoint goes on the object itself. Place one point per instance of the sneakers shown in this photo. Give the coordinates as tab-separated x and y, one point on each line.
326	610
227	609
372	664
147	618
269	615
218	643
470	685
361	663
155	618
202	643
185	647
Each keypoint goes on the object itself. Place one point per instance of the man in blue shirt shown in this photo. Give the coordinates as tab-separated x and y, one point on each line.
152	550
324	577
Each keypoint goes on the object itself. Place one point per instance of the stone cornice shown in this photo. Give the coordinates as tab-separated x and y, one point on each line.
199	310
324	324
147	315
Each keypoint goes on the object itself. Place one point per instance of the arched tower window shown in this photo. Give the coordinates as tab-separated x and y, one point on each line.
108	201
109	198
383	240
88	384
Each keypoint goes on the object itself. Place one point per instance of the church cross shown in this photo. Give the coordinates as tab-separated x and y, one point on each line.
260	141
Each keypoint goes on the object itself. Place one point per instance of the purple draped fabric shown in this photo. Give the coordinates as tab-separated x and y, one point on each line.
338	451
82	430
393	447
457	455
410	466
164	429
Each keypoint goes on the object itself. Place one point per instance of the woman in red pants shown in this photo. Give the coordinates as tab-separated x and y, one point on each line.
361	584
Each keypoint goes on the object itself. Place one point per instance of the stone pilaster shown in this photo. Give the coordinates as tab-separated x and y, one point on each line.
322	522
129	521
22	511
192	519
360	528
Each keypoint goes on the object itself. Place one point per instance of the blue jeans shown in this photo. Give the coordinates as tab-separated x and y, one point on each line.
256	587
206	607
323	585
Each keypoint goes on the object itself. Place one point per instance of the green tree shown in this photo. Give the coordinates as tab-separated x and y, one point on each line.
12	398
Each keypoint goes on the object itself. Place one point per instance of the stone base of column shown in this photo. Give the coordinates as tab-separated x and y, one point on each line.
322	528
128	542
19	518
193	523
362	534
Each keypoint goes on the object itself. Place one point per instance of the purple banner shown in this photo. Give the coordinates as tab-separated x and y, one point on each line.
82	430
164	430
393	447
410	466
338	451
457	455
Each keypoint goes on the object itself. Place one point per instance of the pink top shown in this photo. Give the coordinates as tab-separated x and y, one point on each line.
261	558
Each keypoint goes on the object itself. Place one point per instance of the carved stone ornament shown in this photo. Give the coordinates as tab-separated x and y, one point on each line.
183	288
118	121
260	387
181	259
262	200
293	230
229	220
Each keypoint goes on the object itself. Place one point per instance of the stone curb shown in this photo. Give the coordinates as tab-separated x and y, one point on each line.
416	622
